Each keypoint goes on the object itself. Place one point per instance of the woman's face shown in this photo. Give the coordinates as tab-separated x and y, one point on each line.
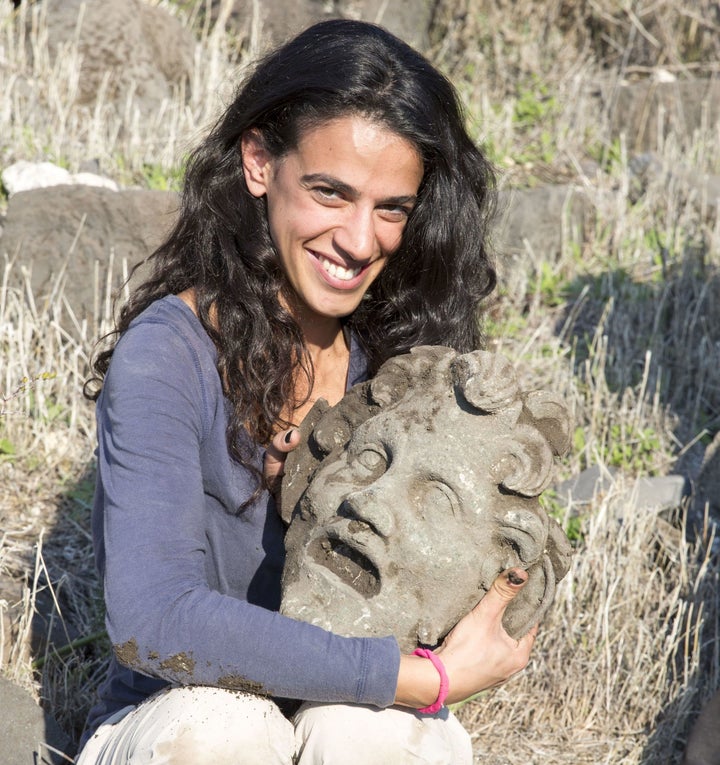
337	207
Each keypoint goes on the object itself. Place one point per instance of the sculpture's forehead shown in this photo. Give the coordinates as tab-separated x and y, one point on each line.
429	415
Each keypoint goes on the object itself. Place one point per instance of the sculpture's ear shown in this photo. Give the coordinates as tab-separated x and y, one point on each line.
525	463
486	380
550	416
300	463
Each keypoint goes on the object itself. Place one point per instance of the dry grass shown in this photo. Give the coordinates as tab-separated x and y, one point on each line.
625	324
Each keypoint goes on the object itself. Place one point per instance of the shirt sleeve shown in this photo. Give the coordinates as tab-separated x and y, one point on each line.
162	617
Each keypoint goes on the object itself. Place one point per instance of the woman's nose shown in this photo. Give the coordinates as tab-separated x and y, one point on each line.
356	237
372	507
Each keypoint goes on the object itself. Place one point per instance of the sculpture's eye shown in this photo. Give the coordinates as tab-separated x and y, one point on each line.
440	497
371	462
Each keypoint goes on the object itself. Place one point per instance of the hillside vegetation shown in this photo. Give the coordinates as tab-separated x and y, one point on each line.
625	324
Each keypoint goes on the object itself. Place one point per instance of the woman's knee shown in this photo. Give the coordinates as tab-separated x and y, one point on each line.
326	734
201	725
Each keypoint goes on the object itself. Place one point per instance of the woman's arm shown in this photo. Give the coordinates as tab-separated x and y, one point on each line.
159	522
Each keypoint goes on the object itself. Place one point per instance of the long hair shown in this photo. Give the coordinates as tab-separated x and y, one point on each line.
430	289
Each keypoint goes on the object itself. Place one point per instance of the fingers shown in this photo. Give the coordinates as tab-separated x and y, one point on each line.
478	653
283	442
505	587
274	464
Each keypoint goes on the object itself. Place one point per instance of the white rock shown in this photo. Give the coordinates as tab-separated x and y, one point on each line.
663	75
24	175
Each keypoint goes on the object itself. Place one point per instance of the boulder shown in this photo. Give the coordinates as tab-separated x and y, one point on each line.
533	226
279	20
647	111
76	227
31	729
24	175
127	47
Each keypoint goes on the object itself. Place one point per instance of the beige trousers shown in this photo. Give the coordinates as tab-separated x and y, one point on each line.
198	725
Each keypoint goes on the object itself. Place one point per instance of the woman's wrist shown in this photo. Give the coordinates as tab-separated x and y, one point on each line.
444	689
418	683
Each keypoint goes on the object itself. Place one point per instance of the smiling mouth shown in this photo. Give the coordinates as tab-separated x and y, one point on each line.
339	272
347	564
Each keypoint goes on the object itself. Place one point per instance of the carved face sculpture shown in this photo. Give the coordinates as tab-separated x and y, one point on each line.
415	491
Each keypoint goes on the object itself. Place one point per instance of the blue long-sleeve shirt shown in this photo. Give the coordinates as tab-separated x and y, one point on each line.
192	587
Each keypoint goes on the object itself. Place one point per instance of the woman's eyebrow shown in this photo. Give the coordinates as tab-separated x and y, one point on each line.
350	191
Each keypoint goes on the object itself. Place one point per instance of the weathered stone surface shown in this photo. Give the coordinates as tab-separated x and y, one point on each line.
24	176
140	49
31	729
413	493
533	226
648	111
280	20
76	226
586	487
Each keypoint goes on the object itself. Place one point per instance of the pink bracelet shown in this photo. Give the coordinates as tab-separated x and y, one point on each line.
444	682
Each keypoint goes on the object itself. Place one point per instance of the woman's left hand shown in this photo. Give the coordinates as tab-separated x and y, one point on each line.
274	465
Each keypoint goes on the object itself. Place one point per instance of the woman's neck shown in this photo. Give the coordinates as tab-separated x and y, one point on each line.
330	355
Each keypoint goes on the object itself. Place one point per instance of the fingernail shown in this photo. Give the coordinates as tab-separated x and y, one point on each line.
513	578
288	436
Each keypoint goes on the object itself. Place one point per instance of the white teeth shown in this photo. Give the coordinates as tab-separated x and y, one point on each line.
339	272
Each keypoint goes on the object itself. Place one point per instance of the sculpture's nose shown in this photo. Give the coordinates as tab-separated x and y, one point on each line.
371	506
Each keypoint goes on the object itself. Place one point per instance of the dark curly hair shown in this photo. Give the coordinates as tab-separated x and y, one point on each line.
430	289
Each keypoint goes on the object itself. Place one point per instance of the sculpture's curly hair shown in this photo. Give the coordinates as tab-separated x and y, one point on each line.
429	291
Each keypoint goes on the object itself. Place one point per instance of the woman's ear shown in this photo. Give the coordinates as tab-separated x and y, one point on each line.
256	161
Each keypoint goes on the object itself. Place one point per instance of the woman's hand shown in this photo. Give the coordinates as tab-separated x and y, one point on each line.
274	464
477	652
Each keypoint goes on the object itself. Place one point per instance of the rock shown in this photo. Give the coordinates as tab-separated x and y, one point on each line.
533	226
703	189
586	487
279	20
31	728
647	112
75	227
24	176
127	47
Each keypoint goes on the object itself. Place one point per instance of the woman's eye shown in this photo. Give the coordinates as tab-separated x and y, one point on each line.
395	213
326	193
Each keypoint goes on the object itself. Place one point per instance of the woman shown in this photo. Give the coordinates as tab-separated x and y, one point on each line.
335	216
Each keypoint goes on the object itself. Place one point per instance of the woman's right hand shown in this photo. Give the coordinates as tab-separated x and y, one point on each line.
477	653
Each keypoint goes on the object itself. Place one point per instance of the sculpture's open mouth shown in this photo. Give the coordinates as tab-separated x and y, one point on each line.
347	563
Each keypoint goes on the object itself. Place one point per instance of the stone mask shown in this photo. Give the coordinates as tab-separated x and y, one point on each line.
407	498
